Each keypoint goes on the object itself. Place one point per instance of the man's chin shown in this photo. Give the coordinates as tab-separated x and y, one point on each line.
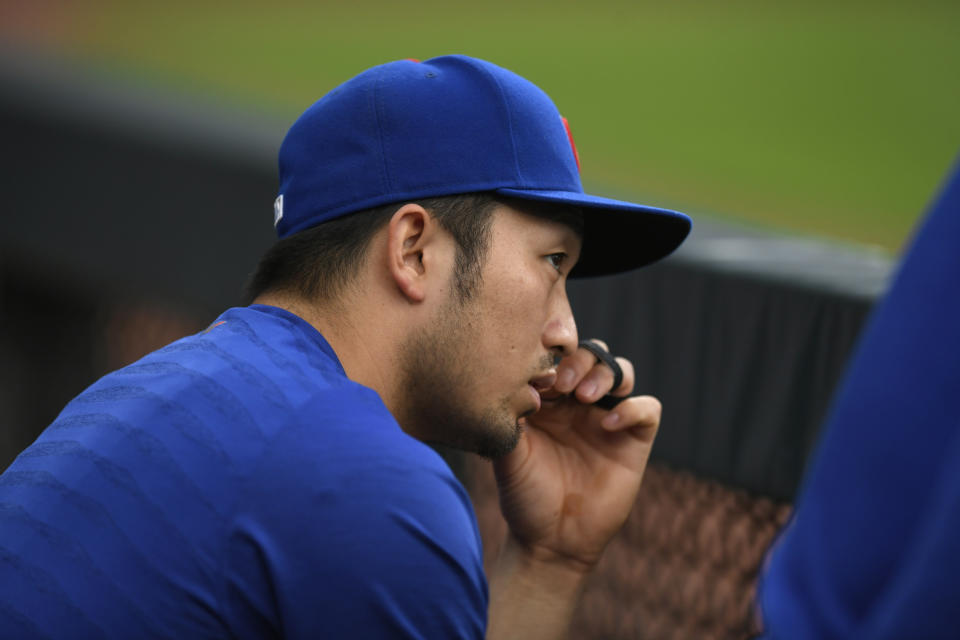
492	447
487	441
492	438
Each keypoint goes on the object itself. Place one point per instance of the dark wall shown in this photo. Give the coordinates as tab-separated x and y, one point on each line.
49	353
127	213
745	367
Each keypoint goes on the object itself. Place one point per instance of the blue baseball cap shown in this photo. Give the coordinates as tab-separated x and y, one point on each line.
449	125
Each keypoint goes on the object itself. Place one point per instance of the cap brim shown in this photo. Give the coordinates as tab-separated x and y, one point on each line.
617	236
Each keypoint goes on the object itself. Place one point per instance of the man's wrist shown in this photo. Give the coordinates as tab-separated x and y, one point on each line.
540	559
544	572
533	591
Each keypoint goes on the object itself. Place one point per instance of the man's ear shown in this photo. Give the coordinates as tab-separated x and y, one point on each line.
412	231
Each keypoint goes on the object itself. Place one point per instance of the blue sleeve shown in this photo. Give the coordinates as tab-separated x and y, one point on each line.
873	550
350	528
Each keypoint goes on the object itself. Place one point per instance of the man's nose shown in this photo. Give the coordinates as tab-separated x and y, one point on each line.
560	333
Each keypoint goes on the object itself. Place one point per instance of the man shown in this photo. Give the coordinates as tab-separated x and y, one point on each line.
260	479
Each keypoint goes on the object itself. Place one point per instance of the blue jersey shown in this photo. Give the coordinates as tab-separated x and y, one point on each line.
236	484
873	550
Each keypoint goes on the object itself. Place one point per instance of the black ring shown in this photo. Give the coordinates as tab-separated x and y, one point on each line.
604	356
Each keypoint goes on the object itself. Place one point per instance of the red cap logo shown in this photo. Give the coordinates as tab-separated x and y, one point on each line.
576	156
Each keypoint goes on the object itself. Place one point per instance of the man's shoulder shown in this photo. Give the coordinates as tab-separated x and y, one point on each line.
260	347
348	431
344	450
361	525
244	374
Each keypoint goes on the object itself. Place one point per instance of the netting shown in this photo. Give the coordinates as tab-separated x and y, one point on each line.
684	566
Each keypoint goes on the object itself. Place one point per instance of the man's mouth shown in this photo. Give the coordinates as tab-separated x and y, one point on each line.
544	381
541	383
535	395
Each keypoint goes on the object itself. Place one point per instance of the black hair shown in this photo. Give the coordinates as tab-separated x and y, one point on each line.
318	263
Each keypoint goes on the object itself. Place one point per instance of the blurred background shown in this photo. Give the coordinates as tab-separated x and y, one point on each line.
805	139
828	118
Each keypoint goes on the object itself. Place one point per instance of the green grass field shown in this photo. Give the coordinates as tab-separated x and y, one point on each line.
817	118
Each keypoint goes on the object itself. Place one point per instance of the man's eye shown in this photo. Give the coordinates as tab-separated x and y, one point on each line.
557	259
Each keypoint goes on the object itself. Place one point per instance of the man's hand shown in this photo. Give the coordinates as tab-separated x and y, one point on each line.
573	478
571	482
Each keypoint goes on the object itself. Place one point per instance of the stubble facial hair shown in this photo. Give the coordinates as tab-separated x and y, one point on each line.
436	380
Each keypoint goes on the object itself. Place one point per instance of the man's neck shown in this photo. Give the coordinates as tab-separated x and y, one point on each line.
366	347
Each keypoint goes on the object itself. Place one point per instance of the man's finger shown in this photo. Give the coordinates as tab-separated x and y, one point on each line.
626	385
640	413
572	369
604	357
601	380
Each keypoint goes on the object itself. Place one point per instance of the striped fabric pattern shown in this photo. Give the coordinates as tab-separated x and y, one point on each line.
235	484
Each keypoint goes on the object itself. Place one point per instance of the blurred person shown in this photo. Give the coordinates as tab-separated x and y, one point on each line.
268	476
873	548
